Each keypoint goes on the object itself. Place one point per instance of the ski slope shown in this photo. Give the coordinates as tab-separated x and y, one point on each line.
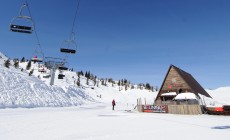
18	89
98	122
65	111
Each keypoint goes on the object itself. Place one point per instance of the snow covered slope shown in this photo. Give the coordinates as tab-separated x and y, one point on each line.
18	89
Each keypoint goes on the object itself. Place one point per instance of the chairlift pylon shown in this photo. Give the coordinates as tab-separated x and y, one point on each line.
15	26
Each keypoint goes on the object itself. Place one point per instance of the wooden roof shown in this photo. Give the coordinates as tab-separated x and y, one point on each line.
188	78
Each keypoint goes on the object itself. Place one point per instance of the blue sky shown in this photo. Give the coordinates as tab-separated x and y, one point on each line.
132	39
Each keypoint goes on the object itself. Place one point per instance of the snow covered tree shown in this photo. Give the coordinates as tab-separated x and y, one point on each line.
132	86
31	72
7	63
95	80
147	86
16	63
119	83
28	65
126	87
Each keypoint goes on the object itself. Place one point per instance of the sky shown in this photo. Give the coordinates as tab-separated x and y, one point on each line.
131	39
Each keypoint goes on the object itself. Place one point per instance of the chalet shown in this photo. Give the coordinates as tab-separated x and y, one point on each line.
175	82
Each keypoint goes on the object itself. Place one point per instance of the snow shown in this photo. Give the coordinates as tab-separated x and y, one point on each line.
187	95
99	122
169	94
32	109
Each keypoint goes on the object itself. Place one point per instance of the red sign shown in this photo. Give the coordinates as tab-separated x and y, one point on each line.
156	108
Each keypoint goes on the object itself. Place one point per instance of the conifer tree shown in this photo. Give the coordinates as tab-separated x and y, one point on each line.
23	59
7	63
31	72
119	83
16	63
147	86
86	74
87	81
78	82
28	65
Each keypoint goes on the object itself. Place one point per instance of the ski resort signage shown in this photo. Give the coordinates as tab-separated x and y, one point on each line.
156	108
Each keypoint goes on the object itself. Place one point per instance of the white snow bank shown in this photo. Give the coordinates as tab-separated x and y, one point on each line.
169	94
184	96
20	90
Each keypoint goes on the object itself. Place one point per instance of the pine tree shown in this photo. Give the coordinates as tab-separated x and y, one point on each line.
95	80
82	73
147	86
23	59
16	63
119	83
7	63
87	81
86	74
89	75
78	82
132	86
28	65
31	72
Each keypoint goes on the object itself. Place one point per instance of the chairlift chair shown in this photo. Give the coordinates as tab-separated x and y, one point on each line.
69	46
36	59
16	27
62	68
37	55
61	76
42	70
64	50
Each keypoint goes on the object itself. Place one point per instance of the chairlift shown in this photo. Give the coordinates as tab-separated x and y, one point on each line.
69	46
61	76
64	50
42	70
37	55
46	76
63	68
36	59
15	25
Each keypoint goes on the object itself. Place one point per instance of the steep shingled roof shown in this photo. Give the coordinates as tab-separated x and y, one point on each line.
188	78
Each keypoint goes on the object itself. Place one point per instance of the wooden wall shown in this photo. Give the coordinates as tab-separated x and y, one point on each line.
184	109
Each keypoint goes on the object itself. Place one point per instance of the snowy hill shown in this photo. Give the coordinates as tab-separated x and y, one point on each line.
18	89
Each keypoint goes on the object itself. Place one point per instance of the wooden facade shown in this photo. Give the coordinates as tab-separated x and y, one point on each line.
179	81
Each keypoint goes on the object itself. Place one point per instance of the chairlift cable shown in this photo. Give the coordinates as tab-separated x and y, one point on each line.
35	31
75	16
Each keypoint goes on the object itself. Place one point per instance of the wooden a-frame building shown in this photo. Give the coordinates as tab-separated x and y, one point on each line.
178	81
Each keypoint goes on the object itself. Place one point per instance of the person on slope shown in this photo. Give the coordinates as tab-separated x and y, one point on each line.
113	103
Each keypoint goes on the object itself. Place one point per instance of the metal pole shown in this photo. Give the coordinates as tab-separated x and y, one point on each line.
53	70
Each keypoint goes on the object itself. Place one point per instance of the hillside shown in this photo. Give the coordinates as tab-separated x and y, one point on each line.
18	89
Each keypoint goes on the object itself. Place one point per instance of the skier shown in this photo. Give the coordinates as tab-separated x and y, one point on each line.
113	103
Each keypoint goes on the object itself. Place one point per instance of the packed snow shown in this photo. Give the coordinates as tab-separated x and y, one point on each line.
32	109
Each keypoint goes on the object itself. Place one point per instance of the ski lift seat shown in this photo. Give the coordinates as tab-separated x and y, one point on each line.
21	29
61	76
67	50
63	68
35	59
41	70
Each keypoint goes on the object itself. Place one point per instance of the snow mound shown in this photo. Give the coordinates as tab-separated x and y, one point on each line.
20	90
184	96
